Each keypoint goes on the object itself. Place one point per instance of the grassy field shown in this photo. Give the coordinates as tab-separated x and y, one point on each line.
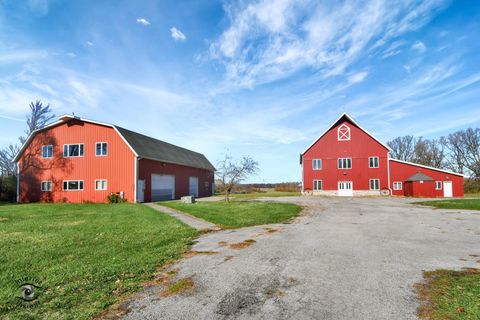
84	257
237	214
256	195
470	204
450	295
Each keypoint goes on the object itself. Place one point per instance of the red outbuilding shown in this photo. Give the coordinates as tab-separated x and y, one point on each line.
80	160
347	160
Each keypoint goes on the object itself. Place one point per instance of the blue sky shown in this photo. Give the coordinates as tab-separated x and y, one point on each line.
261	79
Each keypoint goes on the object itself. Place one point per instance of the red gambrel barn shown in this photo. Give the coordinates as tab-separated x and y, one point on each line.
80	160
347	160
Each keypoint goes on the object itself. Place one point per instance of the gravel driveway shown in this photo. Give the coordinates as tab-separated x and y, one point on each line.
344	258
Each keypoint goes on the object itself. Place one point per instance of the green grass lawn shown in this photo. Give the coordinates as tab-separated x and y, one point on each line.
256	195
85	257
470	204
450	295
237	214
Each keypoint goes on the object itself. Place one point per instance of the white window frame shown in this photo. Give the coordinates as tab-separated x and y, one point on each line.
316	161
345	136
396	184
47	146
437	184
342	163
101	180
46	182
67	181
101	149
316	183
73	144
374	186
370	164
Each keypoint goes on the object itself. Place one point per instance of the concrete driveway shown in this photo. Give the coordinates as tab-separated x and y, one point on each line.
344	258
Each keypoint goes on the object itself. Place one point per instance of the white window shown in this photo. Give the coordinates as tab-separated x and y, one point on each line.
438	185
373	162
317	164
73	185
73	150
317	185
47	151
46	185
101	184
101	149
343	133
374	184
344	163
397	185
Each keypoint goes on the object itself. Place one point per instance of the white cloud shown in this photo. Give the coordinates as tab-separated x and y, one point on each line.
143	21
419	46
89	43
407	68
177	34
272	39
357	77
71	54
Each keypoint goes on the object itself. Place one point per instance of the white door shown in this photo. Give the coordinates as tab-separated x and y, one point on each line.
163	187
193	186
345	188
447	189
140	190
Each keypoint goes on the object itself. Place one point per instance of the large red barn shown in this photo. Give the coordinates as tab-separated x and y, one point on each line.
347	160
80	160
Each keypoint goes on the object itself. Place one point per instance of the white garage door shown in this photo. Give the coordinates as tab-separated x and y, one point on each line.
193	183
163	187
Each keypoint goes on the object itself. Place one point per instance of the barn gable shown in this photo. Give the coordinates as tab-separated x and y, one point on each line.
343	132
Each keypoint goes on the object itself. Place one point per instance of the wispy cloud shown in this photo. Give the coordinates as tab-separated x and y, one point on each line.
270	40
357	77
89	43
177	34
419	46
143	21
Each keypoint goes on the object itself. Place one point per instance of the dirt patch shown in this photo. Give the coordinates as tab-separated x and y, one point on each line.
115	312
190	254
182	286
238	245
3	219
228	258
161	278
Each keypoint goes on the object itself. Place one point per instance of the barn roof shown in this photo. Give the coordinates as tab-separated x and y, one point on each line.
154	149
349	118
427	167
419	177
142	146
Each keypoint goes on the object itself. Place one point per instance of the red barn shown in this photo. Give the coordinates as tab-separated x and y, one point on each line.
347	160
80	160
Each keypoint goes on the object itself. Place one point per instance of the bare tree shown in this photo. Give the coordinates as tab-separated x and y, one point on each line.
37	118
464	151
230	173
403	148
429	153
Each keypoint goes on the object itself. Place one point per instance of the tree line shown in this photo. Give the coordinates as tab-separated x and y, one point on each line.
38	116
458	151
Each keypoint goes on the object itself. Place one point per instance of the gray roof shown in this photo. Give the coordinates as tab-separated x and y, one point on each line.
151	148
419	177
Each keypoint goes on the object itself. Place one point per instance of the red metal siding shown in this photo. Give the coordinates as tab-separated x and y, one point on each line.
402	171
148	167
118	167
360	147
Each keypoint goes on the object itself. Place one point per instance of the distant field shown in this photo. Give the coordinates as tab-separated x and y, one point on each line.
255	195
85	257
469	204
237	214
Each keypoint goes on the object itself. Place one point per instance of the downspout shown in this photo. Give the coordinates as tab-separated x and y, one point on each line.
303	177
388	173
135	184
18	181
